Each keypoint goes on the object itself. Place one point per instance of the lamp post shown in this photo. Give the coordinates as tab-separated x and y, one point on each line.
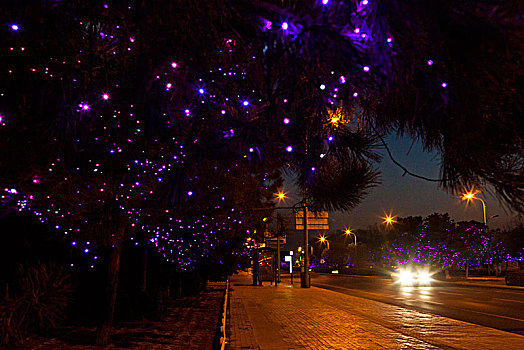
349	233
469	196
281	196
323	239
305	281
304	276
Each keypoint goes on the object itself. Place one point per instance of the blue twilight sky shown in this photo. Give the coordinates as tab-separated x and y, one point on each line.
408	196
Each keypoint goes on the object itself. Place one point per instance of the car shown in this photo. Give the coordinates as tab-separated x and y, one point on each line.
408	276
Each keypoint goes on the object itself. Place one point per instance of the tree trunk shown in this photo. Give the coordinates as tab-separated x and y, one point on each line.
143	275
103	332
177	291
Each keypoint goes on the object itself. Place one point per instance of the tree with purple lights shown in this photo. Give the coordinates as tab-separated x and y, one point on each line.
158	115
403	239
103	147
438	240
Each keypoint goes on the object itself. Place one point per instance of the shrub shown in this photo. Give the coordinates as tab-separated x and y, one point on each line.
11	329
43	293
515	278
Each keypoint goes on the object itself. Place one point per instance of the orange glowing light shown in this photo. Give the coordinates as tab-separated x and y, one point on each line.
322	239
349	232
281	195
389	219
337	117
469	196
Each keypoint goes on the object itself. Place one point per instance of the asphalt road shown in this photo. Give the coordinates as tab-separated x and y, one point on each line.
498	308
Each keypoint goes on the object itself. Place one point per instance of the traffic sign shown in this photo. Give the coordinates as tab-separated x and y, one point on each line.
272	242
315	220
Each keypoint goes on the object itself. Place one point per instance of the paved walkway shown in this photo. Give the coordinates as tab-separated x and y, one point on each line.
290	317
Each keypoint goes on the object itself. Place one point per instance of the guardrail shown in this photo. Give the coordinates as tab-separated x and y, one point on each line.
224	318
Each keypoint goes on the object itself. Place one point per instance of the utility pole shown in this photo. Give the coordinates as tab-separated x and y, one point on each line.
255	265
305	274
278	261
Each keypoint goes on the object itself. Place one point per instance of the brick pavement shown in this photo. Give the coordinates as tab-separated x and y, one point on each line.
290	317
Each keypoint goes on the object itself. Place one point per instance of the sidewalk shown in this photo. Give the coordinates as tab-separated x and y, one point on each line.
290	317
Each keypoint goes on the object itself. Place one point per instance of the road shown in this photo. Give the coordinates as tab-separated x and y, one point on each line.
491	307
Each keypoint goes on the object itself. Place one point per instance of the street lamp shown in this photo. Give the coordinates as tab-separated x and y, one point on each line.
323	239
348	233
305	280
389	219
469	196
281	195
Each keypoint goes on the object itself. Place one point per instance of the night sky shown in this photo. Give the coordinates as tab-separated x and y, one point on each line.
409	196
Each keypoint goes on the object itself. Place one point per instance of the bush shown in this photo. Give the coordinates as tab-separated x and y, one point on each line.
42	294
11	329
515	278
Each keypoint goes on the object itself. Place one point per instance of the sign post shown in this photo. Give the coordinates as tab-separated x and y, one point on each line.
309	220
277	281
289	259
304	282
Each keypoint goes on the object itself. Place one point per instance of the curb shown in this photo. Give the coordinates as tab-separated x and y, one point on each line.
487	285
224	320
459	282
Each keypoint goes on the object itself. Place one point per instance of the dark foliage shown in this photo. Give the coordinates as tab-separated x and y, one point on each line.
38	303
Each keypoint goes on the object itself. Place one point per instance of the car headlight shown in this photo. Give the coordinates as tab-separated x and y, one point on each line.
424	277
406	278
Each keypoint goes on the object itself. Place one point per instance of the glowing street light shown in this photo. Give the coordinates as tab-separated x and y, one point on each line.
348	233
335	120
337	117
322	239
389	219
281	195
470	196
